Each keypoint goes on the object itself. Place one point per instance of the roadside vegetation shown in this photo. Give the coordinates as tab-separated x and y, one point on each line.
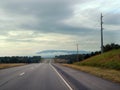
106	65
109	74
3	66
81	57
7	62
20	59
109	60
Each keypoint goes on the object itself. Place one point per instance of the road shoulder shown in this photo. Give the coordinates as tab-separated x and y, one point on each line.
84	81
108	74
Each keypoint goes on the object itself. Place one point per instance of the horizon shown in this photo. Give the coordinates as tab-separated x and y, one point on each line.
52	53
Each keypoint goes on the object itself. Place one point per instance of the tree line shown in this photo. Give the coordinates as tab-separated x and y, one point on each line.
73	57
20	59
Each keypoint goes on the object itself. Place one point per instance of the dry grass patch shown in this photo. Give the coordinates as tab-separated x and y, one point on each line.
109	74
2	66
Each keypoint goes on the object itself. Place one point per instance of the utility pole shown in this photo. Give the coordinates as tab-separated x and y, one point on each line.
77	54
101	18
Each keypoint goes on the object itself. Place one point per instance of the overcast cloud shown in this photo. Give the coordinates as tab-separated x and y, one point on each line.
29	26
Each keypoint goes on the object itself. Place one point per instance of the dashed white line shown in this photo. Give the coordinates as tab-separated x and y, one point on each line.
22	73
70	88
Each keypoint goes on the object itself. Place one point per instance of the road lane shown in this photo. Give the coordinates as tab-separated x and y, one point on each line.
10	73
42	77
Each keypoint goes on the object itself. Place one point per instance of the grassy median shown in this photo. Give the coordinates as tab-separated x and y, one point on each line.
3	66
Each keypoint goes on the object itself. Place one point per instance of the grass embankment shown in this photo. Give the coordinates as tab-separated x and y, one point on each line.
109	60
106	65
3	66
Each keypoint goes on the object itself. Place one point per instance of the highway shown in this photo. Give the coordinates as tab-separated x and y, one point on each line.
47	76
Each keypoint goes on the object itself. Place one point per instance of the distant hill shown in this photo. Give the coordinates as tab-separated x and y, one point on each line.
52	53
110	59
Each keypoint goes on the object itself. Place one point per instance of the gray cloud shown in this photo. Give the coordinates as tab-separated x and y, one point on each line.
112	19
78	19
48	14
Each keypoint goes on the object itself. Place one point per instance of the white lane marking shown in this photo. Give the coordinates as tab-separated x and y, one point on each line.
22	73
61	77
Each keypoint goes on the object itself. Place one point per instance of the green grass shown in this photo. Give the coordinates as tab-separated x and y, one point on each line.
110	60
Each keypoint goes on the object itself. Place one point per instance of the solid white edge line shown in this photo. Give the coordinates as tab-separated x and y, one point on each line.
61	77
22	73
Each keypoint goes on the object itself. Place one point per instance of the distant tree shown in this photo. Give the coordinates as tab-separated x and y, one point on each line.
73	57
111	46
17	59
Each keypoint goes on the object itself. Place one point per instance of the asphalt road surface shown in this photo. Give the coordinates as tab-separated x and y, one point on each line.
46	76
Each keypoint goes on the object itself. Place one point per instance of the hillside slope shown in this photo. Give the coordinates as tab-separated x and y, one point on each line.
109	59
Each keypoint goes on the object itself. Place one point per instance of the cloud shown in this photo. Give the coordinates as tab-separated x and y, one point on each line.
50	24
48	14
113	19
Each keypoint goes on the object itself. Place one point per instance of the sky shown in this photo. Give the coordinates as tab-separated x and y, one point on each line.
30	26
